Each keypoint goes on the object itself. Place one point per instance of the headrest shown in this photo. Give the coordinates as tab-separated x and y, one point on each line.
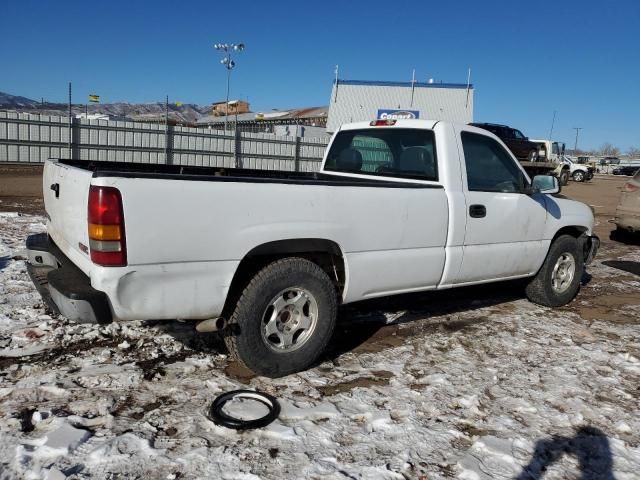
417	160
349	159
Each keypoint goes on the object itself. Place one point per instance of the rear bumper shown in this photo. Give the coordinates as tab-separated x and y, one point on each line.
591	246
62	285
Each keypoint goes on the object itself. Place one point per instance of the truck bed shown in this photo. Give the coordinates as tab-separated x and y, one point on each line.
186	237
223	174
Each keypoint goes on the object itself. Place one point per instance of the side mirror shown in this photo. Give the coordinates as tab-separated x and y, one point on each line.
546	184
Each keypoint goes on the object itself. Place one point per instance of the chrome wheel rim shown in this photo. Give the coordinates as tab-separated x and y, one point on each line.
289	319
563	272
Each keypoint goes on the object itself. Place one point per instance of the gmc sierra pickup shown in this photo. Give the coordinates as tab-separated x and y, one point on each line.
266	257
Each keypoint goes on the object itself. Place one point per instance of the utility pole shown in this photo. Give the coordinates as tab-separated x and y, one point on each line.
166	131
70	120
466	105
413	87
575	146
552	124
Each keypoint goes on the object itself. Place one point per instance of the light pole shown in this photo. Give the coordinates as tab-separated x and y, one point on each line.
575	146
227	48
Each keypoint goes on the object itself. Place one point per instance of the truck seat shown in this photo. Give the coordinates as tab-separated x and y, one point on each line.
417	160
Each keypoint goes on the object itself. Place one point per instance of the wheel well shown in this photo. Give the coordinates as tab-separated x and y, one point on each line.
574	231
325	253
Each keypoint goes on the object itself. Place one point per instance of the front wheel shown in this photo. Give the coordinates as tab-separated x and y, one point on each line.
533	156
558	280
284	318
578	176
564	178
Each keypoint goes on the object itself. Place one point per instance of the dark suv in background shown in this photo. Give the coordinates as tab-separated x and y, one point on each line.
626	170
520	146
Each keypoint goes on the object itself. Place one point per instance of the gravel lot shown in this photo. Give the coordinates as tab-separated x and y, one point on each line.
475	383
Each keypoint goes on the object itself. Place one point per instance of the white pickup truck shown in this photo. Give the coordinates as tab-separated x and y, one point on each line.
266	257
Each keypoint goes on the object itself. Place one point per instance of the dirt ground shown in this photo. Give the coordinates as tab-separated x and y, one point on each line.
473	383
21	189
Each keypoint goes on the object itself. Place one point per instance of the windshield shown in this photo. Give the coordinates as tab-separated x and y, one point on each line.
389	152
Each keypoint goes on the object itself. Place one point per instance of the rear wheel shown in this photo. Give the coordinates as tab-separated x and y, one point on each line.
284	318
578	176
558	280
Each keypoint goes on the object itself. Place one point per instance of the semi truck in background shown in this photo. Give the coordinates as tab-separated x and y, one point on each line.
551	159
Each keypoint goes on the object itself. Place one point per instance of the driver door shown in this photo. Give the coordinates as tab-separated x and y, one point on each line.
504	226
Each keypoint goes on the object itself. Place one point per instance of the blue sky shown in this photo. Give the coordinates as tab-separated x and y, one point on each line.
580	58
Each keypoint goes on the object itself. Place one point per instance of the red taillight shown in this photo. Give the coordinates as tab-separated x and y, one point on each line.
106	227
382	123
630	187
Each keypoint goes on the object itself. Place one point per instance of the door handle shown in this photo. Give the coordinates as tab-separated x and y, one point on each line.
477	211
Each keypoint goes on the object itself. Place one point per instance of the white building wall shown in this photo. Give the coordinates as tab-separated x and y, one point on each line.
353	101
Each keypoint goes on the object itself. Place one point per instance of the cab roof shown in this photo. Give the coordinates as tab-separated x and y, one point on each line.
399	123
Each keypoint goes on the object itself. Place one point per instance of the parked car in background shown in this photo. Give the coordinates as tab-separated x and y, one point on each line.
610	161
523	148
578	172
627	217
626	170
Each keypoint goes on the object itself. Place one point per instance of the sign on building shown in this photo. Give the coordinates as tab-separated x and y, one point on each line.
395	114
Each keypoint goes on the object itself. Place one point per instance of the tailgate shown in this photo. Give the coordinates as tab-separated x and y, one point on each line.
66	193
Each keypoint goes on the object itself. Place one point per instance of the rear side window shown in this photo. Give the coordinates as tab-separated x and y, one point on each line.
489	167
389	152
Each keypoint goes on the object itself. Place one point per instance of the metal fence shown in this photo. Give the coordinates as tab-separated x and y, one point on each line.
28	138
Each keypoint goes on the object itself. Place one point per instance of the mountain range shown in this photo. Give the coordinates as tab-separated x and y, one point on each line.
137	111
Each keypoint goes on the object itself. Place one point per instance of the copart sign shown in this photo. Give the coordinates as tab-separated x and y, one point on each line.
385	114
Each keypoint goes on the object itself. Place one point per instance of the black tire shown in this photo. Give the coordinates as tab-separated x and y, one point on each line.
244	337
564	178
578	176
532	156
540	289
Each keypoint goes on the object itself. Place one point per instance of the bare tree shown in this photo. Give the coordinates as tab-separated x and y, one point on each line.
609	150
633	151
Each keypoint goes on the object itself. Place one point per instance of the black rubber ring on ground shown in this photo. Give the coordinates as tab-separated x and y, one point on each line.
220	418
